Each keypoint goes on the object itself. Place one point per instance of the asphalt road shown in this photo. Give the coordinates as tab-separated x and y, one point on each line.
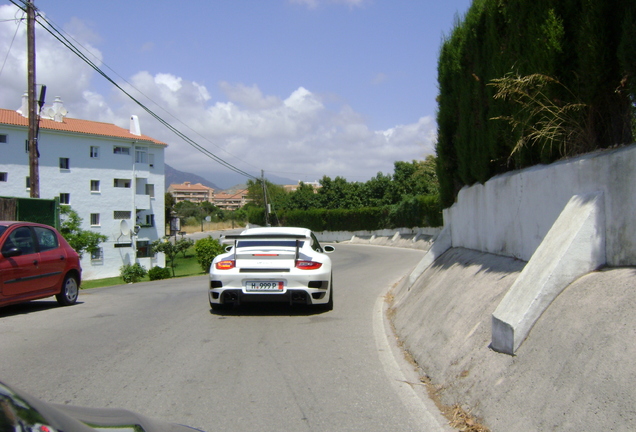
157	349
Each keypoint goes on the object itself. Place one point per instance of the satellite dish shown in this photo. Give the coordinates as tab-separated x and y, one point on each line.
63	111
49	112
124	228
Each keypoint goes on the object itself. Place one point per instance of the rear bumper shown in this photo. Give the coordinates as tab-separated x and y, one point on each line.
307	296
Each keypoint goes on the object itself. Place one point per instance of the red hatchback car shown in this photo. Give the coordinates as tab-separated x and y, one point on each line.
36	262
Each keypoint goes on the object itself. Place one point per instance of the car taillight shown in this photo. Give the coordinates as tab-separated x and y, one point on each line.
225	265
308	265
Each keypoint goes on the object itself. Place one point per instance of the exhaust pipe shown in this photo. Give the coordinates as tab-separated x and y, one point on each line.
299	297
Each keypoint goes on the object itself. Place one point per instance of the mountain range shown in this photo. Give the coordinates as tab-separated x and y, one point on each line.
174	176
220	181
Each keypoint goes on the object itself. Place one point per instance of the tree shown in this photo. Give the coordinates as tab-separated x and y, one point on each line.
81	240
169	203
170	250
186	209
377	191
276	194
209	208
206	249
575	60
339	194
303	198
276	198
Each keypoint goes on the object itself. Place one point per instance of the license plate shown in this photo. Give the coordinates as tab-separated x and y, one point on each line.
264	285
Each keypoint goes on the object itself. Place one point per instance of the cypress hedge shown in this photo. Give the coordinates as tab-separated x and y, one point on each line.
523	83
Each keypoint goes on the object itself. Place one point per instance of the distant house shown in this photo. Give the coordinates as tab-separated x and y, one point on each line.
291	188
112	177
232	200
187	191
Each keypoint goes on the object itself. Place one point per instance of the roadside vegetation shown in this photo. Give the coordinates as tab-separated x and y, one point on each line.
408	198
405	199
185	264
81	240
524	83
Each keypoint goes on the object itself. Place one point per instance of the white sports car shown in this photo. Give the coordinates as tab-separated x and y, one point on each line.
272	265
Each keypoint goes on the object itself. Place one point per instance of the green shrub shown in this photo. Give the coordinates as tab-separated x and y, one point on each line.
157	273
132	273
206	250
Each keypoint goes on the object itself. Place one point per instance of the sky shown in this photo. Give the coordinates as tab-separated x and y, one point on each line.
298	89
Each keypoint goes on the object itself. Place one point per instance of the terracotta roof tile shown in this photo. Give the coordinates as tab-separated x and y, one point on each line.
189	186
88	127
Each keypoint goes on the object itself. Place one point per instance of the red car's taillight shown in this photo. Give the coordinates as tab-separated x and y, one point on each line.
225	265
308	265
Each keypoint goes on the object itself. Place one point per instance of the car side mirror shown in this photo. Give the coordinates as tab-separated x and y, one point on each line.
13	252
328	248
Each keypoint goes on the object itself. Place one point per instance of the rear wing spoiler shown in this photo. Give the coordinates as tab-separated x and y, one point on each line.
229	239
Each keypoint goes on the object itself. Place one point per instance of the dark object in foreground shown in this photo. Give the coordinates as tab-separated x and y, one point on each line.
20	411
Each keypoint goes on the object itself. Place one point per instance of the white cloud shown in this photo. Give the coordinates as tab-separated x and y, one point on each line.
59	69
301	136
298	137
249	97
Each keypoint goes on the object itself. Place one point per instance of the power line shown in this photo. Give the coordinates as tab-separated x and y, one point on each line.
17	27
147	97
57	34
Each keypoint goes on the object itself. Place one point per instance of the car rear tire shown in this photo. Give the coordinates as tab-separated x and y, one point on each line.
70	291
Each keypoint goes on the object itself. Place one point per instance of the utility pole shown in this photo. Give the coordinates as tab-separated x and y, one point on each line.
34	169
265	198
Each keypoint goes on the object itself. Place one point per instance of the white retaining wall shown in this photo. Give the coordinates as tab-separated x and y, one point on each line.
512	213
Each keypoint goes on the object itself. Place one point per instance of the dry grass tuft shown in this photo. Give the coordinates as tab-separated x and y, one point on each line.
464	421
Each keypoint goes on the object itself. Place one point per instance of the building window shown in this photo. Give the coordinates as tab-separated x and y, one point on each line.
122	183
94	185
144	250
151	160
65	198
26	145
94	152
94	219
150	190
122	214
65	163
28	182
97	254
150	220
3	138
121	150
3	176
141	155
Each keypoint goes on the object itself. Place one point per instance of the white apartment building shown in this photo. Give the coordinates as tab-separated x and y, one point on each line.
112	177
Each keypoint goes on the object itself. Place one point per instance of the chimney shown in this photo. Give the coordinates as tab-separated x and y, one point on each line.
134	125
24	108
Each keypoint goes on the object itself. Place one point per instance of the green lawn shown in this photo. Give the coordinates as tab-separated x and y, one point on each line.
184	267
